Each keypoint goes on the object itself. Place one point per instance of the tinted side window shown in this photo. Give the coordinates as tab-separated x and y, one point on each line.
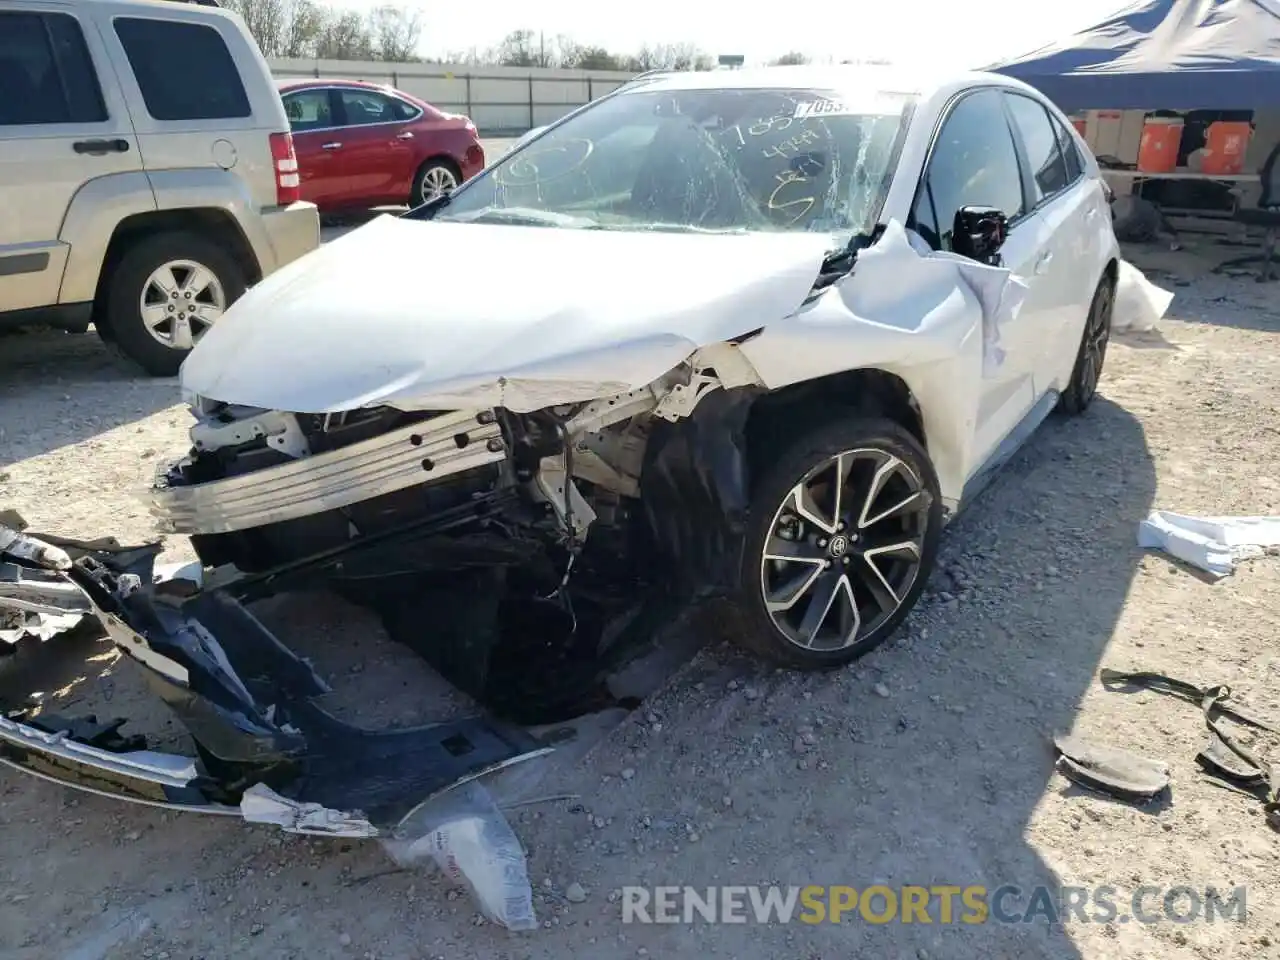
1040	140
403	111
974	163
184	70
46	74
1070	152
308	110
363	107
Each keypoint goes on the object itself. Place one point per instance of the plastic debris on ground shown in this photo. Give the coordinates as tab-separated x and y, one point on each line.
261	804
467	837
33	605
1212	544
1139	304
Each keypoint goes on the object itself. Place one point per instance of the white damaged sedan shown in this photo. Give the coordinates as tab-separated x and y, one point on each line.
747	335
737	341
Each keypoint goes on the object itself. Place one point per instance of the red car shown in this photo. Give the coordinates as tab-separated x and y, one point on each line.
365	145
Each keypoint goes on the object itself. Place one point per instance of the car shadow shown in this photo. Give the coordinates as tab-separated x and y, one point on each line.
1029	589
58	389
931	757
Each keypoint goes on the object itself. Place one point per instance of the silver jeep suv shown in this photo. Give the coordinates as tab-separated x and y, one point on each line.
147	173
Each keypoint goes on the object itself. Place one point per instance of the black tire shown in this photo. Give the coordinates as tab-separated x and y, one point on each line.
1086	373
418	194
123	315
752	626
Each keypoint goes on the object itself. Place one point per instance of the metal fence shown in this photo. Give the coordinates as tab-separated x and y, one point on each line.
500	100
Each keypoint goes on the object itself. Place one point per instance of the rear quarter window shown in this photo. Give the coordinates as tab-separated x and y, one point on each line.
184	70
46	73
1070	152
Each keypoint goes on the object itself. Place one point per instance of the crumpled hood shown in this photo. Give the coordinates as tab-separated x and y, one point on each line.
433	314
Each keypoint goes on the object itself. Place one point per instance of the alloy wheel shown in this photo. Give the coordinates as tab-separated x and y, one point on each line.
435	181
180	301
1096	336
844	549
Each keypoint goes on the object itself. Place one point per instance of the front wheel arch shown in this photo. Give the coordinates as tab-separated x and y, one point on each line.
866	391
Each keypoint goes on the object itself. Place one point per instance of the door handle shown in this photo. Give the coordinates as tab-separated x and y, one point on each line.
1091	213
100	148
336	145
407	135
1043	263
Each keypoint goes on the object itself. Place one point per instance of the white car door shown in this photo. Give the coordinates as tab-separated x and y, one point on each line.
974	162
1063	199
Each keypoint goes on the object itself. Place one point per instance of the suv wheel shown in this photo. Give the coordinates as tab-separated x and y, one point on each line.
843	534
165	292
433	179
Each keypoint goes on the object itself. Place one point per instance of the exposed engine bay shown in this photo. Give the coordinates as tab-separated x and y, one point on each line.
538	519
544	551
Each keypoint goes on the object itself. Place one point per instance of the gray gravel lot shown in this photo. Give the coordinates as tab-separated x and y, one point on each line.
927	763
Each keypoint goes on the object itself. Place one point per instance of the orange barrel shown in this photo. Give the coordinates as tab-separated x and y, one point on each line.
1224	147
1158	152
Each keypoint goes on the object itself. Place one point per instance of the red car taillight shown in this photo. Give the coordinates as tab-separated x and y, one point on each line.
288	185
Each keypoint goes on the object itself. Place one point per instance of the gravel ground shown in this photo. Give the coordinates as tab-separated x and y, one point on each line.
927	763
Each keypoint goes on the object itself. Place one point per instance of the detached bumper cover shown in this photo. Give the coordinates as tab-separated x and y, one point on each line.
267	752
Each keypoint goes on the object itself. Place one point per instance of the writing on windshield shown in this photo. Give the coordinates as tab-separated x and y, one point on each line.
729	159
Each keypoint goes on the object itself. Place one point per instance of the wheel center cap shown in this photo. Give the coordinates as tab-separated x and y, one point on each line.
839	545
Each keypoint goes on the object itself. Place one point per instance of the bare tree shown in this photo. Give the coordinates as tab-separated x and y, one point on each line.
524	48
395	33
303	30
344	37
575	56
668	56
266	20
789	59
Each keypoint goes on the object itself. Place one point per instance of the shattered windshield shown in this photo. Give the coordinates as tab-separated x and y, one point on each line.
723	160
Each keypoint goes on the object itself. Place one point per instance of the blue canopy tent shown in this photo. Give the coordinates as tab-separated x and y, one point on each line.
1164	54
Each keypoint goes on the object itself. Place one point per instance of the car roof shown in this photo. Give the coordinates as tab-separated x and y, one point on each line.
298	83
211	9
885	78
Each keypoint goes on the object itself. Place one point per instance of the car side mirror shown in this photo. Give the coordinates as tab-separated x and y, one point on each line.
978	233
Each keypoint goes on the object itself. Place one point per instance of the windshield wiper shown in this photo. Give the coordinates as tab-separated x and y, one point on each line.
429	209
525	216
681	228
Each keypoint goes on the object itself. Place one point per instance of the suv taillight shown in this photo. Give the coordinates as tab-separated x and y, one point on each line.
286	165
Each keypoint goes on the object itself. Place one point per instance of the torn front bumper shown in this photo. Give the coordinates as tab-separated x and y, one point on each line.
266	752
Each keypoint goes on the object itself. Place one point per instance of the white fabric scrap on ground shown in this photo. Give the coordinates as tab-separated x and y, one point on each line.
1140	304
1212	544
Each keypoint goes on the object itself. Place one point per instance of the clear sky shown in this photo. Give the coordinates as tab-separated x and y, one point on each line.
947	33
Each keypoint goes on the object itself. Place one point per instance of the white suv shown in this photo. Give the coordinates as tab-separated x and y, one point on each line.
147	172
